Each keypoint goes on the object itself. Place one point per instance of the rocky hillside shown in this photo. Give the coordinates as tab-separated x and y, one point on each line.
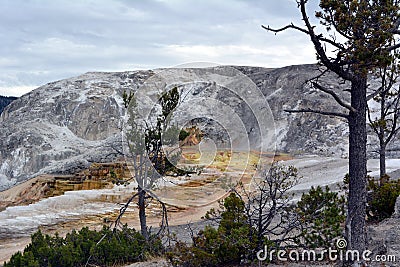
65	125
5	101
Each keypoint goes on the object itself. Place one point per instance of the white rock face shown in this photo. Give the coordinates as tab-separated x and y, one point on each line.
21	221
63	126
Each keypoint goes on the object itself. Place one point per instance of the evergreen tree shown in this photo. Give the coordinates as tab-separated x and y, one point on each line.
368	30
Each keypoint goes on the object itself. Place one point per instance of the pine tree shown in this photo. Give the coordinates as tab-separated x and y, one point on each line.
368	30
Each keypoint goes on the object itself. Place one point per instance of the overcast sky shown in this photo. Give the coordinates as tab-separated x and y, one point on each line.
47	40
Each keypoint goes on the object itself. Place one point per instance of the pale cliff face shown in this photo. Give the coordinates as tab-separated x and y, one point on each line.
63	126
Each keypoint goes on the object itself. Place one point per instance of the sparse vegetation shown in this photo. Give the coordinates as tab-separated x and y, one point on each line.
385	125
248	219
146	141
242	229
79	248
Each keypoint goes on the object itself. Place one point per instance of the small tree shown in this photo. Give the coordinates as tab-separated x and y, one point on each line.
146	140
321	213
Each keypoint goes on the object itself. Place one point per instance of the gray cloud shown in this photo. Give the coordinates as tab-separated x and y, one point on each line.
48	40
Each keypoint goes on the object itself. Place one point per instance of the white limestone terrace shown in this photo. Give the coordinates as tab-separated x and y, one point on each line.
21	221
324	171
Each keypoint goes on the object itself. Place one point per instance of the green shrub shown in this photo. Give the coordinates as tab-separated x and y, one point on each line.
322	213
185	255
26	260
382	198
232	242
79	248
183	134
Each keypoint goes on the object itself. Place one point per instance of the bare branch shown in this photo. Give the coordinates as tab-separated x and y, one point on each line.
326	113
375	129
393	47
394	128
375	93
335	96
318	46
123	209
292	26
395	29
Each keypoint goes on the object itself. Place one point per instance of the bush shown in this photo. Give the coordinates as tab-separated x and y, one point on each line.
183	134
382	199
185	255
27	260
232	242
322	213
79	248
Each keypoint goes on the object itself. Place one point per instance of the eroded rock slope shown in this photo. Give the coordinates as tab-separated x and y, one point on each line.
63	126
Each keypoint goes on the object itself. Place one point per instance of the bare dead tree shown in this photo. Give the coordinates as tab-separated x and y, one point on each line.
267	206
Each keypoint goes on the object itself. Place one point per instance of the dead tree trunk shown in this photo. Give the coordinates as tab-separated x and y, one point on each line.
142	213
